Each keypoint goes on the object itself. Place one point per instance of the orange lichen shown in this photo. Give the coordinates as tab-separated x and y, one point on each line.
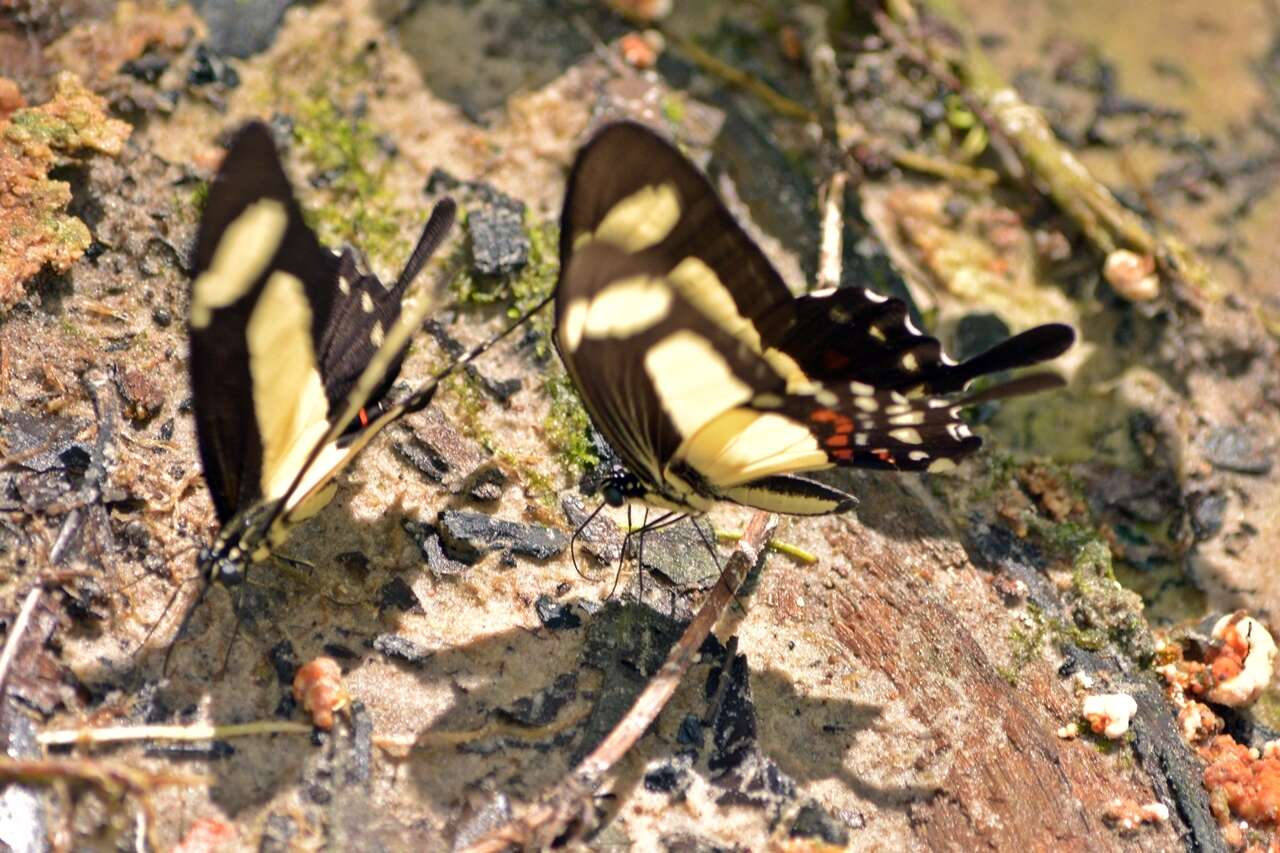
34	226
1241	782
1132	275
318	688
1050	491
10	97
1109	714
643	10
1197	722
1233	668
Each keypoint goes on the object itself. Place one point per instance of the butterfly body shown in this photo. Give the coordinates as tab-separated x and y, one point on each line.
293	350
711	380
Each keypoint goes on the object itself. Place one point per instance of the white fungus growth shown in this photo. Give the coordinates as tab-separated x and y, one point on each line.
1109	713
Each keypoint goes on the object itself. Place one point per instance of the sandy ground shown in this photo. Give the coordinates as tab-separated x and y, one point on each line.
901	691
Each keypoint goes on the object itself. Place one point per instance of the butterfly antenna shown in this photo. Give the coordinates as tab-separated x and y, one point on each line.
423	395
433	234
573	555
644	529
182	626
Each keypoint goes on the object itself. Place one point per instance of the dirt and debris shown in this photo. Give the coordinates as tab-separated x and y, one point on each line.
906	689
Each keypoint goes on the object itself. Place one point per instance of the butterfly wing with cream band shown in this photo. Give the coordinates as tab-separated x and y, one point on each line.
709	378
289	344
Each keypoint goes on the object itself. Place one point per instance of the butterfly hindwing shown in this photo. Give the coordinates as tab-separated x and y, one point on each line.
853	334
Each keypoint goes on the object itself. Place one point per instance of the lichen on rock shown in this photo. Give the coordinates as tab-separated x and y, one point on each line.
34	223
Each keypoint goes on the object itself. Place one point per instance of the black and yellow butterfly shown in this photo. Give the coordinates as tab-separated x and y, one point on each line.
711	380
293	349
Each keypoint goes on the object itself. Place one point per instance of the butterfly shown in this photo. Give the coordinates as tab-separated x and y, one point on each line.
293	350
711	381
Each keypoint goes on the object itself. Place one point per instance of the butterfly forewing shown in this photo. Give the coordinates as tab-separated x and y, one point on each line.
253	243
631	188
288	340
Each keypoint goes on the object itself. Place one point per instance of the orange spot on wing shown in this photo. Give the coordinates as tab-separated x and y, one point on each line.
844	426
364	418
824	416
883	455
843	455
837	441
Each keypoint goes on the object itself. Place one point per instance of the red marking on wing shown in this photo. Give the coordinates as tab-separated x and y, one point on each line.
824	416
834	359
844	454
364	418
883	455
838	441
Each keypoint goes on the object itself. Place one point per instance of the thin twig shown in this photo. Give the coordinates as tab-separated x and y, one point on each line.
14	639
489	731
772	98
567	805
775	545
192	732
111	777
945	169
825	74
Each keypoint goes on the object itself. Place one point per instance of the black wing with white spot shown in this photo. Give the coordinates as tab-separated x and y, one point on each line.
624	159
652	370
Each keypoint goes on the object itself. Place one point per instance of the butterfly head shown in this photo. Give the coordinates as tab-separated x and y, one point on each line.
223	562
244	539
619	485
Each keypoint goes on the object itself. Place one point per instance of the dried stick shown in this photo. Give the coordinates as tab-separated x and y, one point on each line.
15	635
831	252
825	74
566	807
111	777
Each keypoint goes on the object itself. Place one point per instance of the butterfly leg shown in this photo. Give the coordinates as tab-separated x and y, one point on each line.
715	557
182	625
573	554
626	540
665	520
237	598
